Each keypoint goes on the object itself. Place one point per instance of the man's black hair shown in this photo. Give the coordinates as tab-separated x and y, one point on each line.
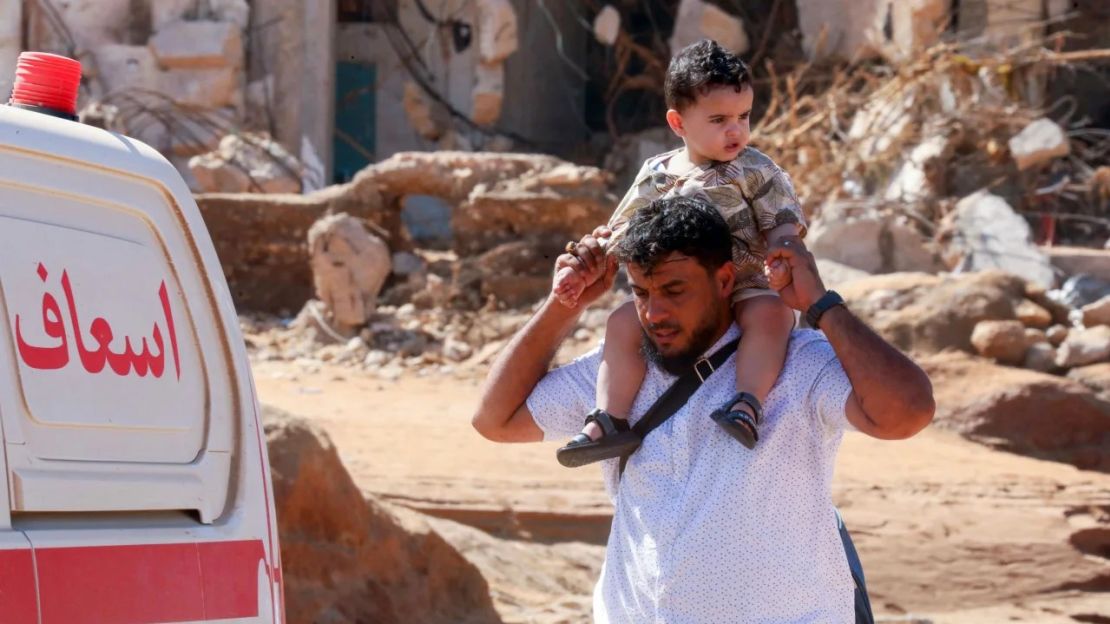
699	67
676	224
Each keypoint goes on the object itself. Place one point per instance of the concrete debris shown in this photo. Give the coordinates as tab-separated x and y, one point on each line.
916	180
1097	313
349	267
1040	357
987	233
198	45
247	163
1038	143
1084	346
1057	334
607	25
697	20
871	242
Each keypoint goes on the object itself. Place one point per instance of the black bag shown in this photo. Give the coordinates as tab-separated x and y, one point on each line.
677	395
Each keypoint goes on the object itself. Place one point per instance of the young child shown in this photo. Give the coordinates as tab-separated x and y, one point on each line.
709	95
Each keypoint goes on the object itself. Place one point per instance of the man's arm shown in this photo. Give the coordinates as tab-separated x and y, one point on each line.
502	415
892	398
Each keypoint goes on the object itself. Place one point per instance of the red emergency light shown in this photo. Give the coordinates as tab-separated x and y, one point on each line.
47	83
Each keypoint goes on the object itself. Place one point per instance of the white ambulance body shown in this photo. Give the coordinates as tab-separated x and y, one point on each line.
137	483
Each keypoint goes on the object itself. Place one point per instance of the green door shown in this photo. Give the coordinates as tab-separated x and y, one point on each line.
353	147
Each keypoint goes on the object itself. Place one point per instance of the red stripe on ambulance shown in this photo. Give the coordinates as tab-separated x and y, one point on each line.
17	586
149	582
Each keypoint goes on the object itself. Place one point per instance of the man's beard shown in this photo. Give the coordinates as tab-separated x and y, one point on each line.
702	338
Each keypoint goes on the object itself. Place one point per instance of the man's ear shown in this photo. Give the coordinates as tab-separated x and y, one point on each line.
725	278
674	120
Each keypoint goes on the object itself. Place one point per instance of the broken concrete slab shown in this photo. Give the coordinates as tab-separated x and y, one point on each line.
871	242
198	45
127	67
697	20
607	25
988	234
247	163
349	267
203	88
1039	143
1084	346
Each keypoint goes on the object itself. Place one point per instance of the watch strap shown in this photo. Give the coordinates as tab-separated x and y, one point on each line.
829	300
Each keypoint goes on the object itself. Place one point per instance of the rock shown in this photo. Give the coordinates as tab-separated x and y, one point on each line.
987	233
1094	376
1040	357
407	263
1034	336
419	112
1077	260
349	266
872	243
1056	335
1033	315
1039	142
916	180
607	25
260	241
1003	341
497	30
489	91
198	45
456	350
929	313
697	20
247	163
1080	290
349	559
1020	411
513	274
1097	313
833	273
1084	346
1060	312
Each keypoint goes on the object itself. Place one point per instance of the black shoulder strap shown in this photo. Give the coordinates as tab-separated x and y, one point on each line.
680	391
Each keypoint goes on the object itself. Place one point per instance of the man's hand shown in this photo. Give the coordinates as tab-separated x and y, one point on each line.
792	271
587	273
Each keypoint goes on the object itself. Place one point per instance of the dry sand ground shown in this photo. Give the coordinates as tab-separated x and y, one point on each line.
948	530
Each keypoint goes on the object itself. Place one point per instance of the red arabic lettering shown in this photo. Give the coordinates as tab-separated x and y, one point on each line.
101	334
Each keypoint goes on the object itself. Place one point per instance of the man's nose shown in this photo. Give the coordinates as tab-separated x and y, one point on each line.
656	310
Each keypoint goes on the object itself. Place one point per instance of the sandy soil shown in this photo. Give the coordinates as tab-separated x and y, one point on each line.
949	531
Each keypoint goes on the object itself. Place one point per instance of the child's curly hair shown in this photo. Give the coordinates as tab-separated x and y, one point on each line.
699	67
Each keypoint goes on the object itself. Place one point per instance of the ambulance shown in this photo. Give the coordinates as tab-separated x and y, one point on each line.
137	485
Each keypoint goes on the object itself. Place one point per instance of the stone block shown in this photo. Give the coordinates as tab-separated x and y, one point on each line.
202	88
198	45
1039	143
988	234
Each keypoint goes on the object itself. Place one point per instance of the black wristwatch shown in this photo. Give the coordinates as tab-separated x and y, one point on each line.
830	299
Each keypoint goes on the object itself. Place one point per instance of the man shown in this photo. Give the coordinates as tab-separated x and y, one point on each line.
704	531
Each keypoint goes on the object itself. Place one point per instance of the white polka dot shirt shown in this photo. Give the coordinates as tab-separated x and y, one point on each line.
705	530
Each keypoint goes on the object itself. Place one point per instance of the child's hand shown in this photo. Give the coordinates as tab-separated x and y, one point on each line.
778	273
569	281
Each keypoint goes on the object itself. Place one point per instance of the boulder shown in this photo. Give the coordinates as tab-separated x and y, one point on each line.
349	559
198	45
1084	346
1040	357
697	20
872	242
1020	411
1003	341
987	234
1056	335
1033	315
1040	142
929	313
349	267
1097	313
247	163
1094	376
